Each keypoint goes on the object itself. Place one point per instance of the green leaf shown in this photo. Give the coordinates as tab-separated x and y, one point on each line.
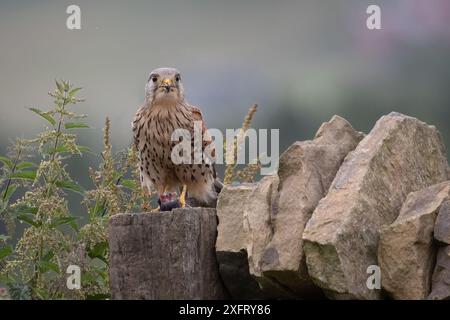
75	125
9	192
5	251
3	205
73	92
97	209
41	293
26	175
66	85
99	251
44	115
74	226
89	278
117	175
26	165
45	266
26	218
128	183
7	162
48	256
27	210
85	149
60	149
61	221
59	86
70	185
19	291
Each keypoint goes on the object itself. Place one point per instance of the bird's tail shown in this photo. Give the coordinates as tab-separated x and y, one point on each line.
211	201
218	185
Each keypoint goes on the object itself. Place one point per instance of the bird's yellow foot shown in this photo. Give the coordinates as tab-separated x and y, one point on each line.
183	196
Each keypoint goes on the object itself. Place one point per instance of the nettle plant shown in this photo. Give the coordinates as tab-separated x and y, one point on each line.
34	187
34	190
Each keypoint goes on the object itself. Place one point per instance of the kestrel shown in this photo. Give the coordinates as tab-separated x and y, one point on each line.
164	111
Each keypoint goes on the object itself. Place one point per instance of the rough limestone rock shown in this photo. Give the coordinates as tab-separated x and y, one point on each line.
167	255
442	226
231	244
306	170
406	250
400	155
441	276
257	220
230	230
258	215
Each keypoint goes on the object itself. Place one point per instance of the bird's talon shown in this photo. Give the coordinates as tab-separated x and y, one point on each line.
183	196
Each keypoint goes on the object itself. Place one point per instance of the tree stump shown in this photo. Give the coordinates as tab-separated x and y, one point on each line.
165	255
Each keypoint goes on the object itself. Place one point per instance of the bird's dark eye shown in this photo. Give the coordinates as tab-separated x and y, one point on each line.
177	78
154	78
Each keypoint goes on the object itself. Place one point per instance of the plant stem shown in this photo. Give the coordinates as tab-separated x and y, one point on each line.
104	200
58	133
12	171
39	254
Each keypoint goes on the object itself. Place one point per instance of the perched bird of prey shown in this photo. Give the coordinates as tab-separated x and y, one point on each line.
164	111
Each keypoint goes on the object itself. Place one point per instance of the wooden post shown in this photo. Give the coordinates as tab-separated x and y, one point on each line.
165	255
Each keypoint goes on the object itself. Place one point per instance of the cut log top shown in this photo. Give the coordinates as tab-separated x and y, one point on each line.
165	255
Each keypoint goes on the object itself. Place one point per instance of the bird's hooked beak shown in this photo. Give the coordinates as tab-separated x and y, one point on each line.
167	84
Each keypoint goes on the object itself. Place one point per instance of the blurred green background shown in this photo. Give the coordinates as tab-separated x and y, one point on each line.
301	61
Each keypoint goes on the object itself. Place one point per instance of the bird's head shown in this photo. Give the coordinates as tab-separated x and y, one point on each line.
164	86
